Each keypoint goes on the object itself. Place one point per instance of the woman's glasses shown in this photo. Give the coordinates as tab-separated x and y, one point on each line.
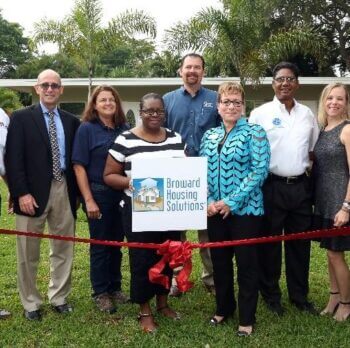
236	103
151	112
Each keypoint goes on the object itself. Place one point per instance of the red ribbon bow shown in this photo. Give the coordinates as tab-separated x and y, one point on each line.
175	254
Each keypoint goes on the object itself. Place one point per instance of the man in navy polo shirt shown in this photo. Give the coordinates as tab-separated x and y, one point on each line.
191	111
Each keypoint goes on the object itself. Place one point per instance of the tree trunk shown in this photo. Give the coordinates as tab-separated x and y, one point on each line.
90	80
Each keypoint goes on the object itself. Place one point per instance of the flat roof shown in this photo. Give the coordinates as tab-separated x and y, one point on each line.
26	85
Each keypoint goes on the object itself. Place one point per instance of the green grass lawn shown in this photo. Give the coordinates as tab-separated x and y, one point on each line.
86	327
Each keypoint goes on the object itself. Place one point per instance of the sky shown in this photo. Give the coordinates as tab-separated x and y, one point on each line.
166	12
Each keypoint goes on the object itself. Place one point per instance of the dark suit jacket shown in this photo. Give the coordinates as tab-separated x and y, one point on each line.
28	157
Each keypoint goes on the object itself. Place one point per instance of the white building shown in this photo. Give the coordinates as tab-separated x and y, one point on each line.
132	89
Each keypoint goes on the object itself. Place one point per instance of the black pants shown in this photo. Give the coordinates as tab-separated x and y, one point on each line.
141	260
233	228
287	210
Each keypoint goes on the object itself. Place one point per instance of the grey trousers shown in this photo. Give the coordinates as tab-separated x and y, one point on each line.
60	221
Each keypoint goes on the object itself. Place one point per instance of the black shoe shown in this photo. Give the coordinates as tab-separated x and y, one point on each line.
306	307
32	315
275	307
62	309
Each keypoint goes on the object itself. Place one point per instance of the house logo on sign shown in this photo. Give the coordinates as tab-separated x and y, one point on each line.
148	194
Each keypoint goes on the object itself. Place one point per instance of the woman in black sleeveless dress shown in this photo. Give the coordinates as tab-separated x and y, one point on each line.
332	192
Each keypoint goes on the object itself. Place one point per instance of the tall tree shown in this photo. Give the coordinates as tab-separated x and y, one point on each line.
238	38
331	17
67	66
130	58
14	47
164	64
82	35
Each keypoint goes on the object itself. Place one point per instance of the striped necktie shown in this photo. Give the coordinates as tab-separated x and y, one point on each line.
55	150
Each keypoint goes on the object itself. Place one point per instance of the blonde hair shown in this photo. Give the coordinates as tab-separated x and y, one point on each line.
322	114
230	88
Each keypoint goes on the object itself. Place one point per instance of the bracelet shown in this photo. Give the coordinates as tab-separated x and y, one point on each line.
346	206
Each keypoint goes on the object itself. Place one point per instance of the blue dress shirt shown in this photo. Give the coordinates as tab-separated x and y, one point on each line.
191	116
60	133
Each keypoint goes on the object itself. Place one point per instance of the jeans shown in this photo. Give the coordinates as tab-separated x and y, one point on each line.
105	261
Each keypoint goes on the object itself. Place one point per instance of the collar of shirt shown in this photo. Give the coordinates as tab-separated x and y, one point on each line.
184	91
98	121
46	110
121	127
282	107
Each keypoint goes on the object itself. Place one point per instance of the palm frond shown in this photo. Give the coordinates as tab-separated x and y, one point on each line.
288	43
133	22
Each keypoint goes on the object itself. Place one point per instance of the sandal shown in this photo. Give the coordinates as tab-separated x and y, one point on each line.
215	322
175	316
244	333
348	315
145	328
325	311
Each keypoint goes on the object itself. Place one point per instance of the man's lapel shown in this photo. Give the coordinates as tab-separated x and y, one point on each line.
40	122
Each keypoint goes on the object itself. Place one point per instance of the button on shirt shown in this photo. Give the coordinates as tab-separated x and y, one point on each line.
191	116
291	135
60	133
4	123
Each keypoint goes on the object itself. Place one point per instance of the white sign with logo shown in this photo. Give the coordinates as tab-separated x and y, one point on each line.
170	194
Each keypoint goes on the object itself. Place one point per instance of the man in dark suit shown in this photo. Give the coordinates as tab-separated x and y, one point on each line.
43	187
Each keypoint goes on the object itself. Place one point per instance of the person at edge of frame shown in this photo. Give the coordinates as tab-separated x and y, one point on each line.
4	123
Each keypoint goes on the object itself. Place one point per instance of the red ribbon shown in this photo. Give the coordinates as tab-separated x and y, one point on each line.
179	253
175	254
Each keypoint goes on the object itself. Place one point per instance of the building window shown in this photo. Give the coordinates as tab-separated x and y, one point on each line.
130	118
75	108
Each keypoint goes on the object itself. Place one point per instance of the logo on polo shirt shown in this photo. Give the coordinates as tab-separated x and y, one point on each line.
207	104
276	121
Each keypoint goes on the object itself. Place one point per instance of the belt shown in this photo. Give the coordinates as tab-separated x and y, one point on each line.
99	187
287	179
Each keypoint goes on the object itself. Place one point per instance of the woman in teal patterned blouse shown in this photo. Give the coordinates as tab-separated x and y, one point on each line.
238	156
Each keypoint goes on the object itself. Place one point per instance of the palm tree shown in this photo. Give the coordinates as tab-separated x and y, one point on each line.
81	33
238	38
